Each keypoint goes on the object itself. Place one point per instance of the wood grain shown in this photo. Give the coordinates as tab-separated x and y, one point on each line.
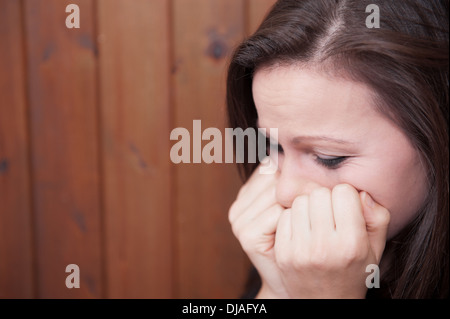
16	258
210	263
135	113
62	92
85	172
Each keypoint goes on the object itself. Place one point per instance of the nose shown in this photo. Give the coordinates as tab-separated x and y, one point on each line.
294	181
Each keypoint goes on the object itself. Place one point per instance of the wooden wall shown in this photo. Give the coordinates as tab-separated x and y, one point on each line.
85	172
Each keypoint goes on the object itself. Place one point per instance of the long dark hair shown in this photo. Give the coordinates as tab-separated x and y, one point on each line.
405	62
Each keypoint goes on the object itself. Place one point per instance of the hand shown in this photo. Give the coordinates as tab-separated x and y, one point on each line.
254	218
325	241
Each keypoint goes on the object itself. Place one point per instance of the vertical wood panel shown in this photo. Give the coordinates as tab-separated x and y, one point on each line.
257	10
16	275
134	54
136	249
62	95
210	263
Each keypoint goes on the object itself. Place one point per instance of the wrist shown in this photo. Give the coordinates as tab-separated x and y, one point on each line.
267	293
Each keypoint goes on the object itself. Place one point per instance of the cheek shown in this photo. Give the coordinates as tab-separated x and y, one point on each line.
399	186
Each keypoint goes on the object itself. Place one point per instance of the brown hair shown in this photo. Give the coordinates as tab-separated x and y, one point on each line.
405	62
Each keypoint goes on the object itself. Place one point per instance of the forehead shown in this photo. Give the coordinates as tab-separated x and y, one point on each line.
293	97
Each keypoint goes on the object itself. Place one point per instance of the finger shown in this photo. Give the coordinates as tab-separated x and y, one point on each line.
261	230
300	224
263	201
254	186
377	220
267	222
283	232
257	179
348	211
321	212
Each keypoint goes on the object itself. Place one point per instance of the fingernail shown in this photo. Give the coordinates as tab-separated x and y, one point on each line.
369	201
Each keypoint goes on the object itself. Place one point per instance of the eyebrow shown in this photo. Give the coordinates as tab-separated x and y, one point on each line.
299	139
306	138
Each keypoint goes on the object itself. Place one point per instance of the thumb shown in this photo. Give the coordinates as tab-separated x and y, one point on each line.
377	220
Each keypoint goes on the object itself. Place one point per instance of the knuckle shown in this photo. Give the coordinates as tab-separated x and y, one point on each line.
283	259
320	191
384	216
247	241
344	188
232	212
353	252
291	259
319	259
349	257
299	202
250	240
235	229
299	261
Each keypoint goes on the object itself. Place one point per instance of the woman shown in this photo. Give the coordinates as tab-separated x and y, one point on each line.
362	119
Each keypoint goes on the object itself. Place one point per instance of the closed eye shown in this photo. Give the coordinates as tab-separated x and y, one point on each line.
273	146
331	162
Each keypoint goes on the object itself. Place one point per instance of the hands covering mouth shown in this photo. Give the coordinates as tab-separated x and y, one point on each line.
318	248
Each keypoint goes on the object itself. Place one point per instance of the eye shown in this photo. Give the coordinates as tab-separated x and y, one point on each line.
272	146
331	162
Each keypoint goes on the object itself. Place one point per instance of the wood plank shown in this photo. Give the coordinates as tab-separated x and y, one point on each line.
209	262
16	261
135	111
64	137
257	10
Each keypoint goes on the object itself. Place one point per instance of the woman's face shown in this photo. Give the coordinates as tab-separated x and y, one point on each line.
329	133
